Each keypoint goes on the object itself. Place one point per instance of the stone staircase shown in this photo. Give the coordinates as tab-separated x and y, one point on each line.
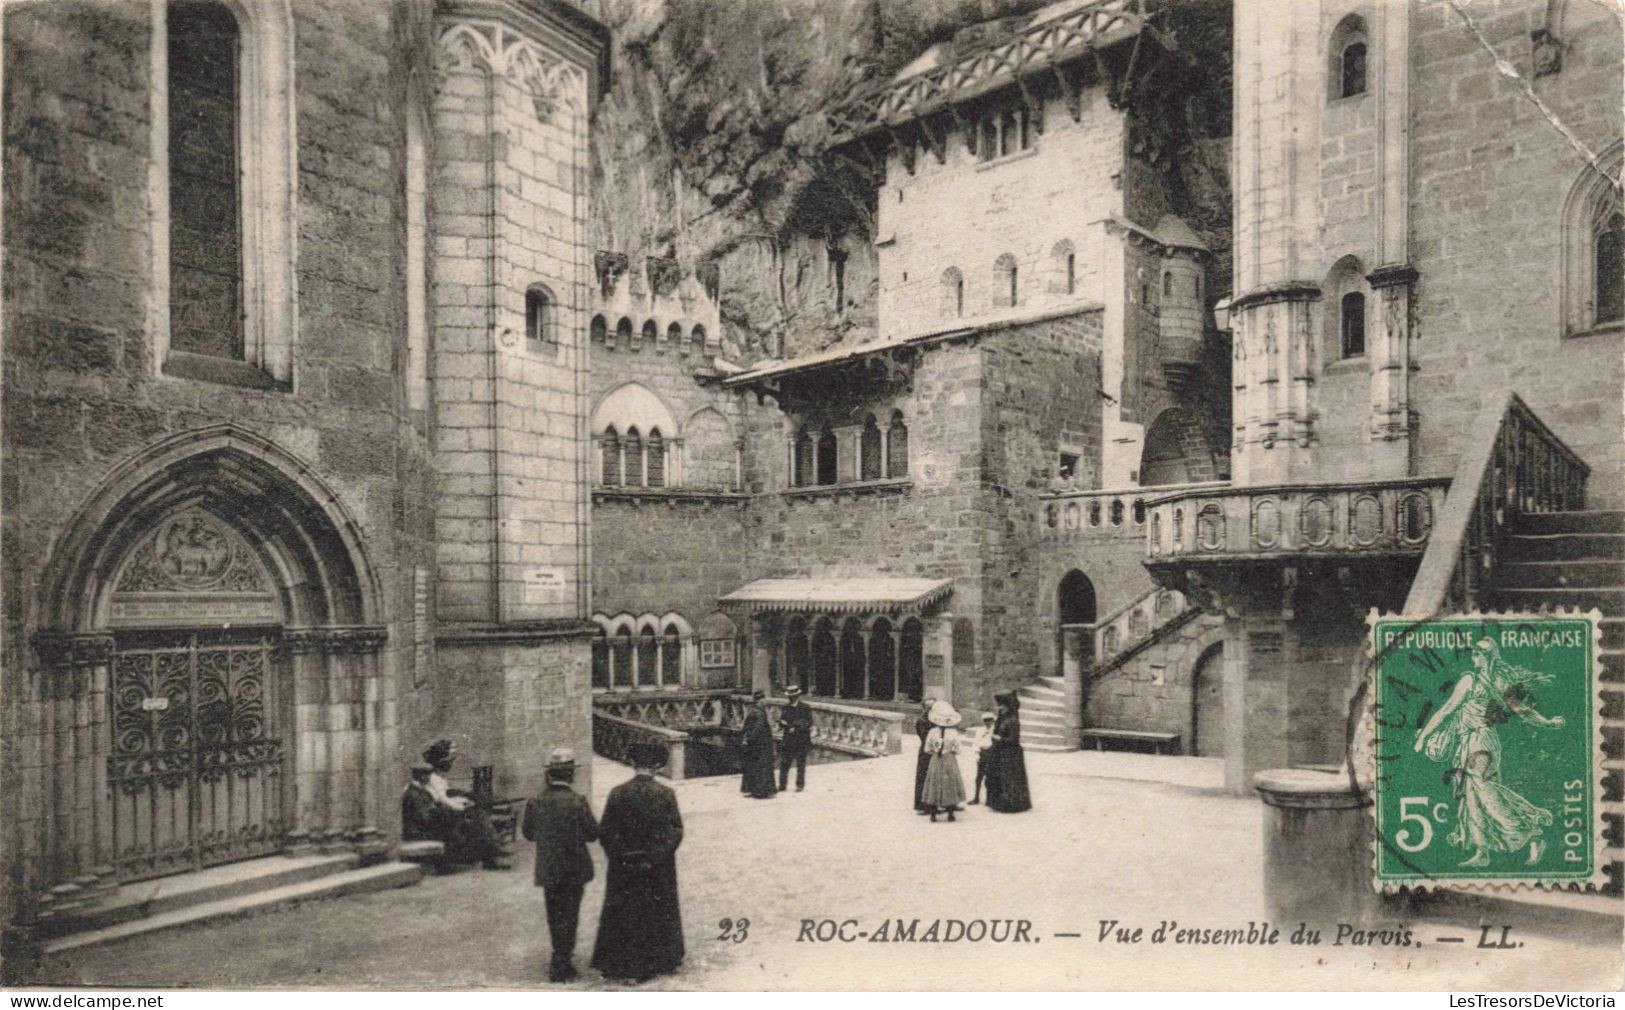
1051	711
220	892
1577	559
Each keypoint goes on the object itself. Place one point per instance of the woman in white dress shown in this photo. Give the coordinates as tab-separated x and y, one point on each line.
944	790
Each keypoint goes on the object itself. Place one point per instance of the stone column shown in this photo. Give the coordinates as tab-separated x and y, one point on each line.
763	628
1276	358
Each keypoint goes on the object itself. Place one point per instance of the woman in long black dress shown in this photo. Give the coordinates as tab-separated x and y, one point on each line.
922	763
1006	763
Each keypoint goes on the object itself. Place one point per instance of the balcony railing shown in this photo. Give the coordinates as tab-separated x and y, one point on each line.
846	729
1513	465
1068	513
1301	520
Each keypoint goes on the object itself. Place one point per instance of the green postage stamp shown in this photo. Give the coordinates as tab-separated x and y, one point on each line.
1487	750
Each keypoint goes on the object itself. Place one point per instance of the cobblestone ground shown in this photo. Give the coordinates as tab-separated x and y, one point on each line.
1141	840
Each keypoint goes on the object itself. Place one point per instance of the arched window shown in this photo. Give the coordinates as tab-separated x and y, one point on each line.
869	450
1608	264
797	656
600	661
1594	250
621	658
650	331
610	452
632	458
674	335
824	659
953	293
1009	134
882	661
671	657
911	660
698	336
1347	51
623	331
805	472
648	658
205	248
655	459
1351	325
1063	270
854	676
1167	283
897	446
1344	320
540	323
1006	286
826	457
599	329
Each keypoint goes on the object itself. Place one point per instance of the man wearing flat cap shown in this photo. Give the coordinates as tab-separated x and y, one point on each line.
640	932
795	726
561	824
756	751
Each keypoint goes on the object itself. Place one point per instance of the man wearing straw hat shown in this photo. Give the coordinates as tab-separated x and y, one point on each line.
640	933
561	824
795	723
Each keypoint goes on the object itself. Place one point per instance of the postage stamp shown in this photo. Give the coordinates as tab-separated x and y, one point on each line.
1487	750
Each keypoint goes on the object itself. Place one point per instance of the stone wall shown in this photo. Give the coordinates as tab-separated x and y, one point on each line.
966	213
82	390
1155	690
1490	179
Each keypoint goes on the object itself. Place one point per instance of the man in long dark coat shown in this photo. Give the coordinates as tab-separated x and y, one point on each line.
756	757
640	934
795	727
922	763
560	822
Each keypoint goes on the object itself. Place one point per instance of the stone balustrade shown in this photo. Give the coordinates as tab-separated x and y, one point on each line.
1067	513
1223	523
613	737
846	729
1133	624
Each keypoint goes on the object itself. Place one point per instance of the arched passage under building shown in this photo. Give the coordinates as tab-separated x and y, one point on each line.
1177	450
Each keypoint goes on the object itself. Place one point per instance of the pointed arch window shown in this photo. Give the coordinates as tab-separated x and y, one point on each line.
600	661
1608	255
632	458
655	459
897	446
671	657
598	330
869	443
1594	249
1006	281
650	331
623	331
804	469
827	456
953	293
610	455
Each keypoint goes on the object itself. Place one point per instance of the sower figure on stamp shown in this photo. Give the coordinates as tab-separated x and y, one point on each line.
922	763
561	824
463	826
1462	733
640	933
795	722
756	780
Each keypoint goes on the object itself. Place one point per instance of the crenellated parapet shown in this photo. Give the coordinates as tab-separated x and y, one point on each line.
656	304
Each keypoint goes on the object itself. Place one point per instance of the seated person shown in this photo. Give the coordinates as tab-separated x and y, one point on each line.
430	809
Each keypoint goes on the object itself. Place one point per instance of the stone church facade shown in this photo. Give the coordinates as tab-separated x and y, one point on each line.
295	376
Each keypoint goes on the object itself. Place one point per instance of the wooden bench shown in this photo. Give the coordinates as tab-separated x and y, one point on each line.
1160	743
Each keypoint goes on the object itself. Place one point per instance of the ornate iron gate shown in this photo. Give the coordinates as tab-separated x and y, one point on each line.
196	770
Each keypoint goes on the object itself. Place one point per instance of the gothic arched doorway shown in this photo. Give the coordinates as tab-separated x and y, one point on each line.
1207	703
199	604
1075	606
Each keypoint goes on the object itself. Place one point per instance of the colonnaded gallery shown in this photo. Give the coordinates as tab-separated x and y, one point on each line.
345	411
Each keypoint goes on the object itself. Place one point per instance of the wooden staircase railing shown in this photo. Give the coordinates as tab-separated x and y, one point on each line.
1513	464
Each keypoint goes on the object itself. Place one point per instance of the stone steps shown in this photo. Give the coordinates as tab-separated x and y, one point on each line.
1564	546
1594	521
1571	574
217	883
355	880
1050	714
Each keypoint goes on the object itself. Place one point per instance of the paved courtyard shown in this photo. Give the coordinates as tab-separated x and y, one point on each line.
1112	836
